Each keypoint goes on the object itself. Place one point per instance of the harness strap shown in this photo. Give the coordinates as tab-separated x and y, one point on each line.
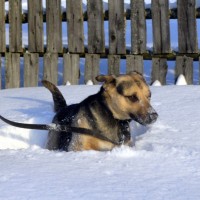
58	127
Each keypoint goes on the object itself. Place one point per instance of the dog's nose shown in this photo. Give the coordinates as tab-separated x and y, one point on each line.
153	117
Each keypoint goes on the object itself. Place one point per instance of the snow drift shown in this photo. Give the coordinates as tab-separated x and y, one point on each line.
164	164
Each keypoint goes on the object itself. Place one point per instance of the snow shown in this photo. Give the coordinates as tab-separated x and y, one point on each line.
156	83
163	164
89	82
181	80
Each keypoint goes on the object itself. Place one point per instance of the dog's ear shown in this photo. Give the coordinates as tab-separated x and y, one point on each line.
105	78
138	73
135	73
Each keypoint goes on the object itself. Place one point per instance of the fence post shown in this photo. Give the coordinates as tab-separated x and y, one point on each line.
15	29
159	70
71	71
75	26
12	70
116	27
161	33
134	63
31	68
187	30
96	39
114	64
51	67
138	27
2	27
184	65
35	26
54	26
91	67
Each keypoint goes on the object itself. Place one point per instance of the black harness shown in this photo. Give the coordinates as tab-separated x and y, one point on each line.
123	135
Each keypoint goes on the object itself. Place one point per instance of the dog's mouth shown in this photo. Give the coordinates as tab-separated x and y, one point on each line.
145	120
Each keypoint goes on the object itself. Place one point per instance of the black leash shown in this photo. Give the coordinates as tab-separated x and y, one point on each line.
64	128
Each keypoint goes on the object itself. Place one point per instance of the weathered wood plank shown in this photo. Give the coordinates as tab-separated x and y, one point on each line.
54	26
75	26
161	32
96	38
187	29
35	26
116	27
184	66
138	27
114	64
51	67
31	68
12	70
2	27
15	28
91	67
159	70
134	63
71	73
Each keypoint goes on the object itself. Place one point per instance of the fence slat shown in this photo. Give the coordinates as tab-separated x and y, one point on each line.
116	27
35	26
51	67
160	20
15	28
159	70
12	70
91	67
134	63
54	26
2	27
114	64
75	26
71	72
31	68
96	39
184	66
187	29
138	27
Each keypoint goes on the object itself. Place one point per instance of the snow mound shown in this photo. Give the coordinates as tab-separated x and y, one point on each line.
156	83
181	80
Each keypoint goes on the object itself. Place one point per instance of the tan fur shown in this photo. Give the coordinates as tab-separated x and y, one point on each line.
92	143
120	105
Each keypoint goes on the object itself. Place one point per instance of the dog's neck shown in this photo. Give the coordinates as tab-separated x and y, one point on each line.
119	129
112	109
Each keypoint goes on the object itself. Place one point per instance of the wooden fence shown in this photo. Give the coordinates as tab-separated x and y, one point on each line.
186	14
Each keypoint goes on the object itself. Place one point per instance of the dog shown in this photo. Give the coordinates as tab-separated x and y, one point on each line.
107	113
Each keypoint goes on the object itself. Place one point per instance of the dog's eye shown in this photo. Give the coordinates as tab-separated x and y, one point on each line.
133	98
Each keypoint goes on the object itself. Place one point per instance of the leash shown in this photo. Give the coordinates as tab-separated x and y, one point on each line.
64	128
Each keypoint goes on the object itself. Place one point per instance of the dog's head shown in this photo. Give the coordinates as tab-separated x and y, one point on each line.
128	97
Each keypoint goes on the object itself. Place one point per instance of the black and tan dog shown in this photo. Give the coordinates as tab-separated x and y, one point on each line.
107	114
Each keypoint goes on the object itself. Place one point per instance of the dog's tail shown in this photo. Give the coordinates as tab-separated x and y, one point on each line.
59	101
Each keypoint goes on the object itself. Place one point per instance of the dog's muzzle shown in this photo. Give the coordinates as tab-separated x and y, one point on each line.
149	118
